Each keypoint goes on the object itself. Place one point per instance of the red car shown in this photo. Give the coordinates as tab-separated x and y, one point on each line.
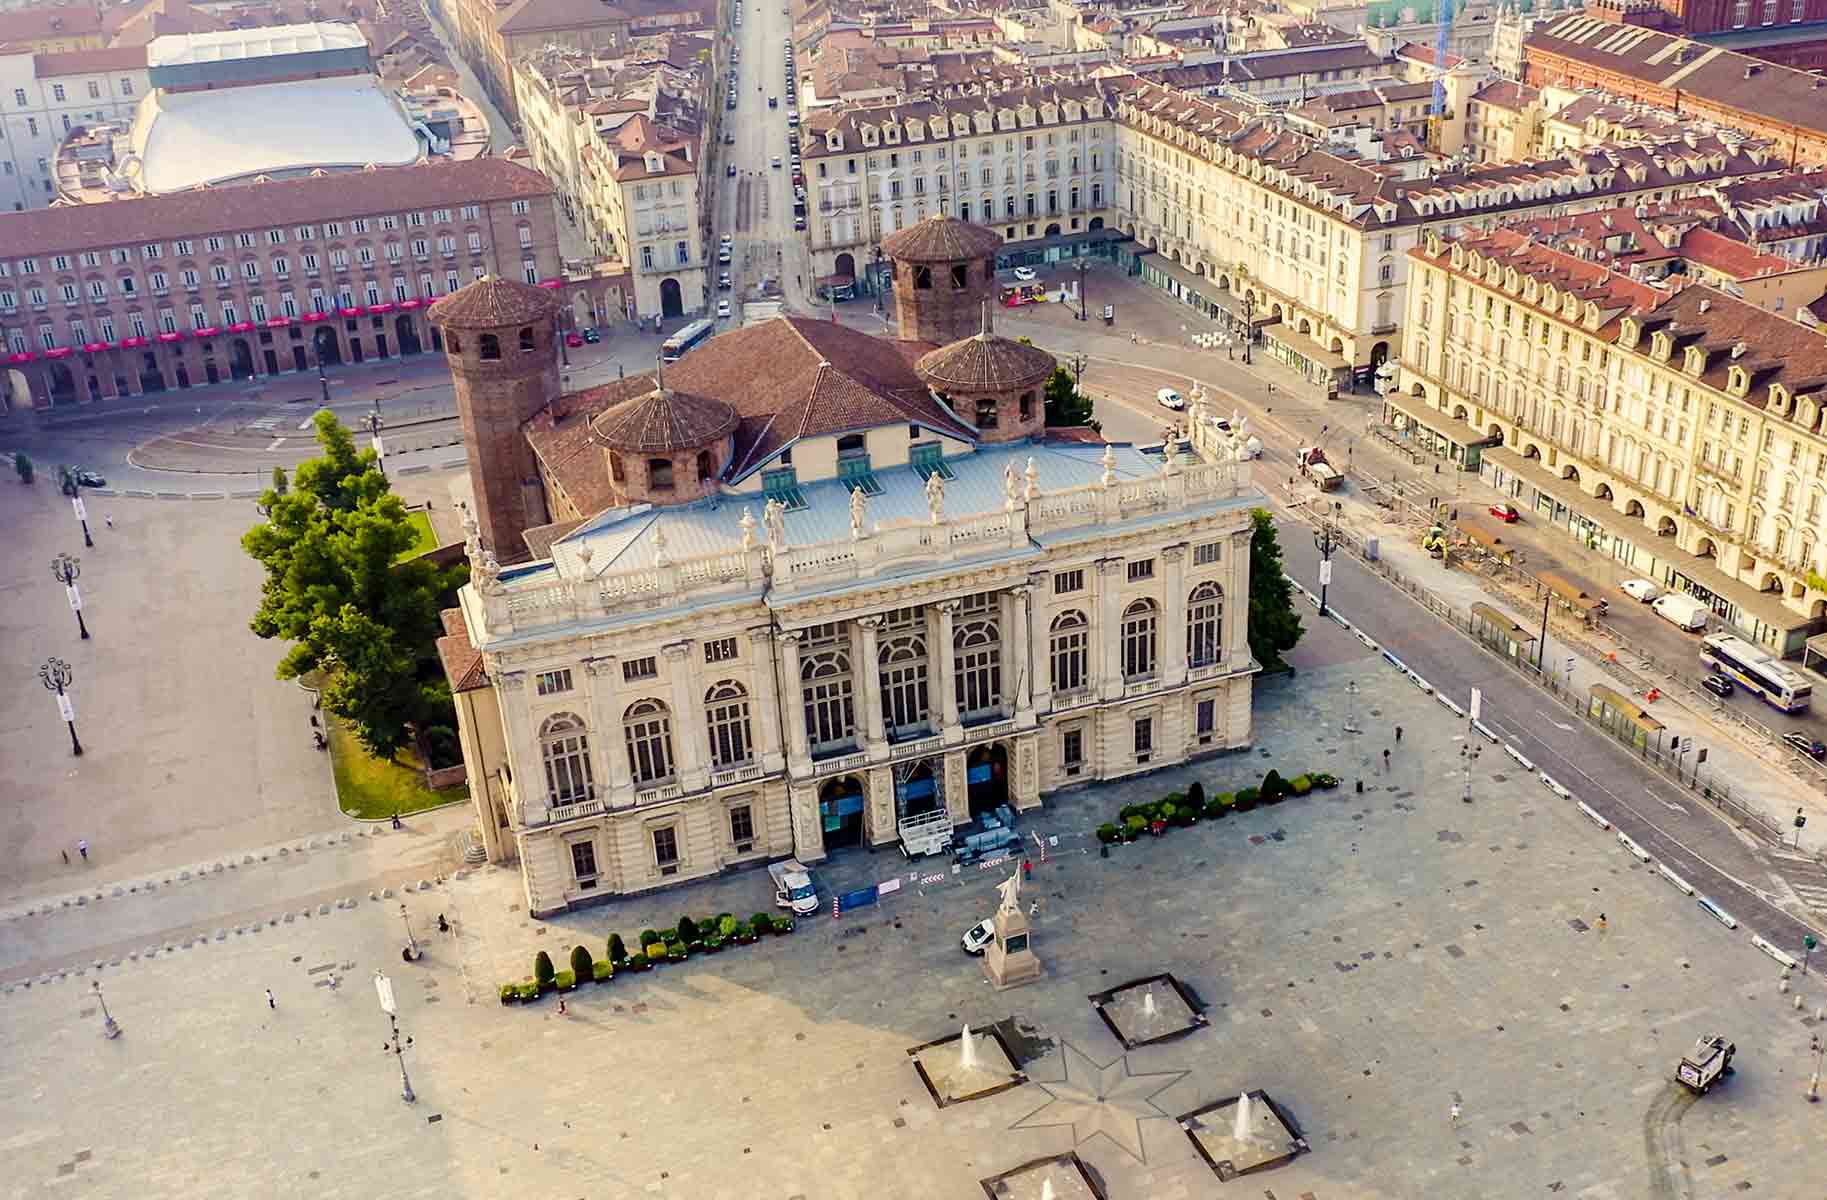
573	340
1506	513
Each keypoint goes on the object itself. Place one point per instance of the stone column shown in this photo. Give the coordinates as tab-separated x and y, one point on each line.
1235	629
1173	617
944	700
868	676
798	754
611	761
1107	629
691	729
1040	663
957	791
524	764
766	688
1017	639
808	830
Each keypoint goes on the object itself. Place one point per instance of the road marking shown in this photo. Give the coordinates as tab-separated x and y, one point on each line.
276	443
1563	728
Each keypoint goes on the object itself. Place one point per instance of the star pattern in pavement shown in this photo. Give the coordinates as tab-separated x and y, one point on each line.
1101	1098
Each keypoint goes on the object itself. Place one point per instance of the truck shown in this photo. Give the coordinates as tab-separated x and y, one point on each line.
1706	1064
925	833
1313	464
1682	611
793	887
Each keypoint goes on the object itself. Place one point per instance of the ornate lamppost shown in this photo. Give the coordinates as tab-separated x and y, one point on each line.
55	674
110	1027
64	569
383	988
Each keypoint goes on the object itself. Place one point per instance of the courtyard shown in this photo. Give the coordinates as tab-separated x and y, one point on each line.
1367	960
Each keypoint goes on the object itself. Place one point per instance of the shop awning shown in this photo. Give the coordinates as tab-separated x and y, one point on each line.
1306	347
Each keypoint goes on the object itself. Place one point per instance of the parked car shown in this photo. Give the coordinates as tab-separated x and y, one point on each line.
1801	743
88	478
978	937
1025	274
777	162
1168	398
773	101
592	336
731	171
1640	590
723	308
1719	685
723	282
574	340
1505	512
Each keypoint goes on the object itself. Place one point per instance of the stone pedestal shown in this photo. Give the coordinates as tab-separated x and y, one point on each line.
1009	961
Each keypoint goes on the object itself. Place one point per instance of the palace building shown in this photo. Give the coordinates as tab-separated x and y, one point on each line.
808	583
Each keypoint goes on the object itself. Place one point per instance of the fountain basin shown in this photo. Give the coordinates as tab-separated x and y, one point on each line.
1154	1008
1056	1177
949	1080
1271	1139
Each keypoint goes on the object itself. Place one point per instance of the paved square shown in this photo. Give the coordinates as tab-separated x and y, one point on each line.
1368	959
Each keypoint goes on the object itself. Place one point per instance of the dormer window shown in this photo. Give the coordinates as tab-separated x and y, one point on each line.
1737	382
654	163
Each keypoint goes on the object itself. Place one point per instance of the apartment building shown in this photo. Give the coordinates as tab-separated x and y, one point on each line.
159	292
1034	163
1677	429
45	97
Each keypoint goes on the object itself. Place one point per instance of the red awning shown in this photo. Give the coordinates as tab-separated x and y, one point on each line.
377	309
59	352
241	327
24	356
351	312
551	283
278	322
317	316
130	343
96	347
409	305
206	331
170	337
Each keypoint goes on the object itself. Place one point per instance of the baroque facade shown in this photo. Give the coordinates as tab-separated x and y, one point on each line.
1679	430
888	593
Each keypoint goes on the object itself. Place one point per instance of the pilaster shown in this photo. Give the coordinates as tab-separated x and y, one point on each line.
808	832
1173	617
1016	639
1040	689
1237	600
867	677
793	697
1107	632
765	686
945	700
957	791
606	730
522	749
691	731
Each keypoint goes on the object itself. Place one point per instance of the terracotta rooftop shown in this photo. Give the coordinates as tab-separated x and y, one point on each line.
662	421
306	200
493	303
560	437
50	21
462	661
985	363
940	238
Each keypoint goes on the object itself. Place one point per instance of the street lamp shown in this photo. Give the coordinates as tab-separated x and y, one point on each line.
1325	538
1351	708
412	943
1249	310
1082	266
383	988
876	278
64	569
375	425
323	382
110	1027
1468	754
55	675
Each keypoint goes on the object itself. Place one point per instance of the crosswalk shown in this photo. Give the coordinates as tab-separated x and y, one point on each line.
267	424
1806	877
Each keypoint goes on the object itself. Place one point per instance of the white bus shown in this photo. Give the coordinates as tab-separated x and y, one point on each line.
1756	671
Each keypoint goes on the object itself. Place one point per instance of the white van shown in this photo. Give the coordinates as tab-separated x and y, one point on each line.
1681	611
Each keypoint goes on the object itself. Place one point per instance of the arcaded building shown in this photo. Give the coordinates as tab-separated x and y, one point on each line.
812	583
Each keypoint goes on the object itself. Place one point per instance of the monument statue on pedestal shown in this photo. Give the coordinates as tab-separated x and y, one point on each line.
1009	961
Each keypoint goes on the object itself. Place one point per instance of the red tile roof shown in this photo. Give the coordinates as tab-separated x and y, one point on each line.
492	303
1731	257
78	227
462	661
50	21
560	437
89	62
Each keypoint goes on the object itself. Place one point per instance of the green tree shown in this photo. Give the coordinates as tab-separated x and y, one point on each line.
22	463
334	590
1066	406
280	484
1274	625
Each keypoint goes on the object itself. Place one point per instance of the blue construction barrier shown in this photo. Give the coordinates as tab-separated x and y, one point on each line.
861	898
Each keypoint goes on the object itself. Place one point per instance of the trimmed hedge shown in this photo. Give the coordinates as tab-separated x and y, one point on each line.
602	971
542	969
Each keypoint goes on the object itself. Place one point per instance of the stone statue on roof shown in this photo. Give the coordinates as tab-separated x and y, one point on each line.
748	528
774	516
935	497
858	508
1011	487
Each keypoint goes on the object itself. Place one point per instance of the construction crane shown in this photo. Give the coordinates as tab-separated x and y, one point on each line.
1437	117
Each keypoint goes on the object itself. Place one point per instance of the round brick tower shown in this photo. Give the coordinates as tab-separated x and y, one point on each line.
665	447
498	339
944	271
993	382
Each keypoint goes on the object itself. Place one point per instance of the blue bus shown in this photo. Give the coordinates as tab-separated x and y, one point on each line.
674	347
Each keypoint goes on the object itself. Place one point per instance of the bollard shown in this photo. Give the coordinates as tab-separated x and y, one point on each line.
1360	787
1103	850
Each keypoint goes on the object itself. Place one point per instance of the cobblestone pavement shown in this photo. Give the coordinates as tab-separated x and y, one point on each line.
1370	959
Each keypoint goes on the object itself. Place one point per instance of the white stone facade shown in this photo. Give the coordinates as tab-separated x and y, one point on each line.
657	723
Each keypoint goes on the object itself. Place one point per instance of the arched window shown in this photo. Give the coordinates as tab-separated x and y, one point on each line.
659	474
648	727
1069	635
986	412
1204	625
1027	406
727	707
616	473
707	466
454	342
526	338
1139	621
905	694
488	347
959	277
826	688
977	667
565	749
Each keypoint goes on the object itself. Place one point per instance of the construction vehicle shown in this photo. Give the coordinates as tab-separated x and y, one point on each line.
1314	466
1706	1064
993	836
926	833
1434	541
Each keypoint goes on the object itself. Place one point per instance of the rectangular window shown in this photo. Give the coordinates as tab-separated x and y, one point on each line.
583	863
1067	582
742	828
1205	720
1144	738
720	650
666	850
1141	569
640	668
550	683
1072	751
1206	554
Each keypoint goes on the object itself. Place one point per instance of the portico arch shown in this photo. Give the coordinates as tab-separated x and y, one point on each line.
986	777
840	809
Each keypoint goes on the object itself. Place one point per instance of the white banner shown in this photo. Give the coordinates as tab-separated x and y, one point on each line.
1325	572
1477	703
82	513
75	599
65	708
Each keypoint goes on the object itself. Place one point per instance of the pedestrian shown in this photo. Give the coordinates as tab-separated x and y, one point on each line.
1455	1112
109	518
1398	733
561	1006
1386	760
66	857
396	821
443	925
270	1002
1601	922
82	848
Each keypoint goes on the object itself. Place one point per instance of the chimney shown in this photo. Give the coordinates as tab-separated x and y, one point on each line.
1704	305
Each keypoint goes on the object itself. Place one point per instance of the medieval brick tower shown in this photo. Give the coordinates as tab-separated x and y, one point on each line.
498	338
944	271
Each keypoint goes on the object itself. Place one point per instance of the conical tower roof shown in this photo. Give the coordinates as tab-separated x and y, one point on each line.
939	239
663	421
985	362
493	303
